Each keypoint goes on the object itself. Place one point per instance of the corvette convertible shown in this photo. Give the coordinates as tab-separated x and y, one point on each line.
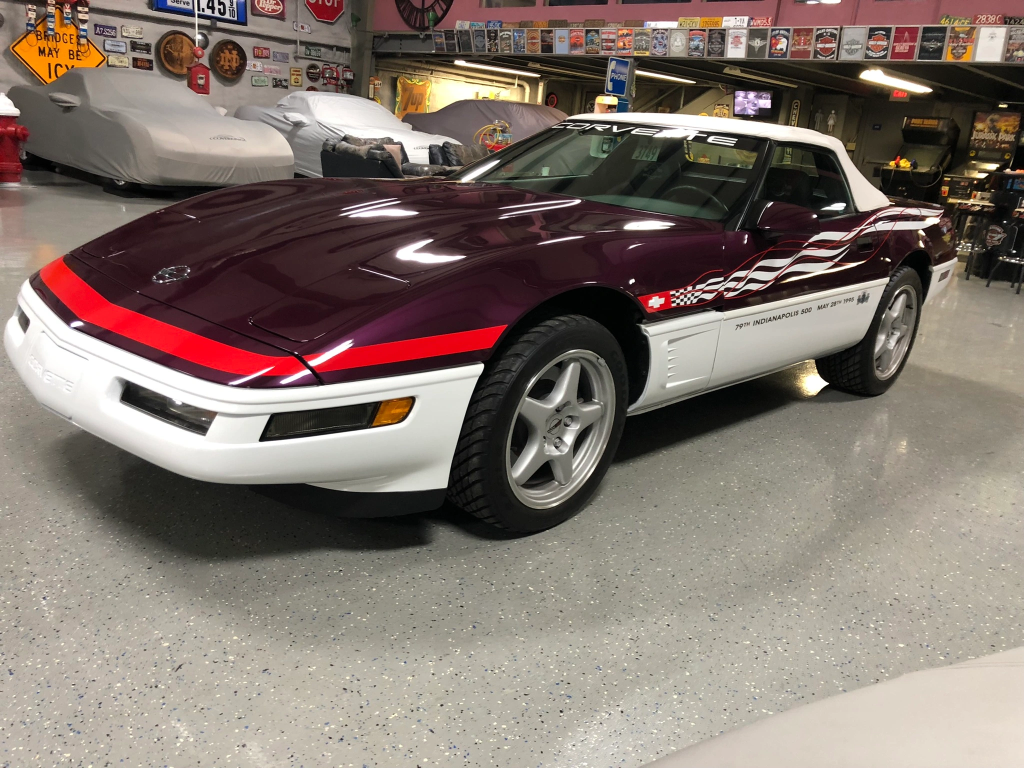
482	338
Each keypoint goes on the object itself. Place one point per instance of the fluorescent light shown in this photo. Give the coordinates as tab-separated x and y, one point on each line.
1003	106
737	72
879	77
568	72
660	76
489	68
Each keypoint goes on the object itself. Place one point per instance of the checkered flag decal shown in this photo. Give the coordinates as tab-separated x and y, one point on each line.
684	297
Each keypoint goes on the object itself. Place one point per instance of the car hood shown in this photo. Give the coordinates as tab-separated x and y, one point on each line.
296	259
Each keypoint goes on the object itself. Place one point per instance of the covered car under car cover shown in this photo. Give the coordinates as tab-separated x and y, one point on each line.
307	119
137	127
463	119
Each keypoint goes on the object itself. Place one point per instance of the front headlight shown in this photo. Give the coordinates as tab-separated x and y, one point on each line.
325	421
175	412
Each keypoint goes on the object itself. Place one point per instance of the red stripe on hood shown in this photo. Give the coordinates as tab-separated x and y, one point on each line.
410	349
85	302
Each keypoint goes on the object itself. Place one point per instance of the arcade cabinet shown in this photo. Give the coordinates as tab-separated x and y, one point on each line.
926	154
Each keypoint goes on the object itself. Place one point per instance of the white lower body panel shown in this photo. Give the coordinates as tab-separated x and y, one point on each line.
756	340
942	276
709	350
81	379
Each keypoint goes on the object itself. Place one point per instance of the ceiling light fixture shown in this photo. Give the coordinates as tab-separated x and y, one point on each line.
660	76
489	68
737	72
1003	105
878	77
568	72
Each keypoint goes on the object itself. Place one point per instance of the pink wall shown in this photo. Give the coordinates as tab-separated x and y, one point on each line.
785	12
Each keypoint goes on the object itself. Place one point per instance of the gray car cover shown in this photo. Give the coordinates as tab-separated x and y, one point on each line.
464	118
142	128
307	119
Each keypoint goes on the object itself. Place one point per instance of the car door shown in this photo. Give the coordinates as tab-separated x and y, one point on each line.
793	296
708	179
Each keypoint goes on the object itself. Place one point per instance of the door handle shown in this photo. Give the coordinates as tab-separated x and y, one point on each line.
865	243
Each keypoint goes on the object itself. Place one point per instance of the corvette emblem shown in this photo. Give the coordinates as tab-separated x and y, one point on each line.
171	275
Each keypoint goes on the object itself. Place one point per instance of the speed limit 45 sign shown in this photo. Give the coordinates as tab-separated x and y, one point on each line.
326	10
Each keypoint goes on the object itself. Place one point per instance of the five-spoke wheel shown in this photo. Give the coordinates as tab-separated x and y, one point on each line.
561	429
895	332
542	426
872	365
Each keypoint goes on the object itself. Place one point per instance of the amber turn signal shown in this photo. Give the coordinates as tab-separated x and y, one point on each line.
392	411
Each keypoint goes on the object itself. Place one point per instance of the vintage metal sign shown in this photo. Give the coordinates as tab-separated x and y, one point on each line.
826	43
50	56
271	8
904	44
228	59
933	43
175	50
229	11
878	42
328	11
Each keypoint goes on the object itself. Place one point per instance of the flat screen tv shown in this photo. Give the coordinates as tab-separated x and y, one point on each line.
752	104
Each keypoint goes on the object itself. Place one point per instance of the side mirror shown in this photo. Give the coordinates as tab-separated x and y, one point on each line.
787	220
65	100
295	118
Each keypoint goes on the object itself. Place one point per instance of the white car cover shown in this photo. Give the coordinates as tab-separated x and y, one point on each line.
136	127
307	119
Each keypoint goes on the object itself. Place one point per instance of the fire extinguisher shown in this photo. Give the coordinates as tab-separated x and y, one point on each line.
12	136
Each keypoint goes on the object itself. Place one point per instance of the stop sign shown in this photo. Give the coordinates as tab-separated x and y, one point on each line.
326	10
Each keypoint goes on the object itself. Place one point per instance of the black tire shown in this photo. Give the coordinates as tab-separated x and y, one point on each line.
480	482
854	370
32	162
120	188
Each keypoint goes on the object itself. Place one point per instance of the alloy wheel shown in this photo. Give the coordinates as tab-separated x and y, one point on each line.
895	332
561	429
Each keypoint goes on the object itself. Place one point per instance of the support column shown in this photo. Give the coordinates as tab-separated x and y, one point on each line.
360	14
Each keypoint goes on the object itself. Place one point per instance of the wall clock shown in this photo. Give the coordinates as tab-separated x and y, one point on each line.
416	13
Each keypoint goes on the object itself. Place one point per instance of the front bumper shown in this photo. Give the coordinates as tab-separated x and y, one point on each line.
81	379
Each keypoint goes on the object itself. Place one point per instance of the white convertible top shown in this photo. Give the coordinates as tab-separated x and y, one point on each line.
865	196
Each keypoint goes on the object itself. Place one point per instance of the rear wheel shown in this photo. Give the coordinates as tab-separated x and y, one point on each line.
121	188
542	426
32	162
873	366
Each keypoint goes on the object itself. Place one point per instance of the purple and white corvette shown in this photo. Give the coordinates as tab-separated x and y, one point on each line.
485	337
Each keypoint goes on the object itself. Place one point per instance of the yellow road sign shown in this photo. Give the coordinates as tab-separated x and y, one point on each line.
50	56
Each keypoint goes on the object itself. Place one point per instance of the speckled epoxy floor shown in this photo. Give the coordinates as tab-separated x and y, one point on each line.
751	550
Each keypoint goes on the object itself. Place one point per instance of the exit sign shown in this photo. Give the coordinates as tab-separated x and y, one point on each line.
899	96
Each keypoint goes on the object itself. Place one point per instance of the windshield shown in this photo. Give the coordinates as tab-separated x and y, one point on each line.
678	171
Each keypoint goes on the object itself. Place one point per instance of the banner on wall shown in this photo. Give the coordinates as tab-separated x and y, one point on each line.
411	95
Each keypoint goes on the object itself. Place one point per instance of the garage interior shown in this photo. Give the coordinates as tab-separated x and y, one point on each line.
751	551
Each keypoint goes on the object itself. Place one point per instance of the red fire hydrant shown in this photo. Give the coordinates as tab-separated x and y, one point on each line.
12	136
